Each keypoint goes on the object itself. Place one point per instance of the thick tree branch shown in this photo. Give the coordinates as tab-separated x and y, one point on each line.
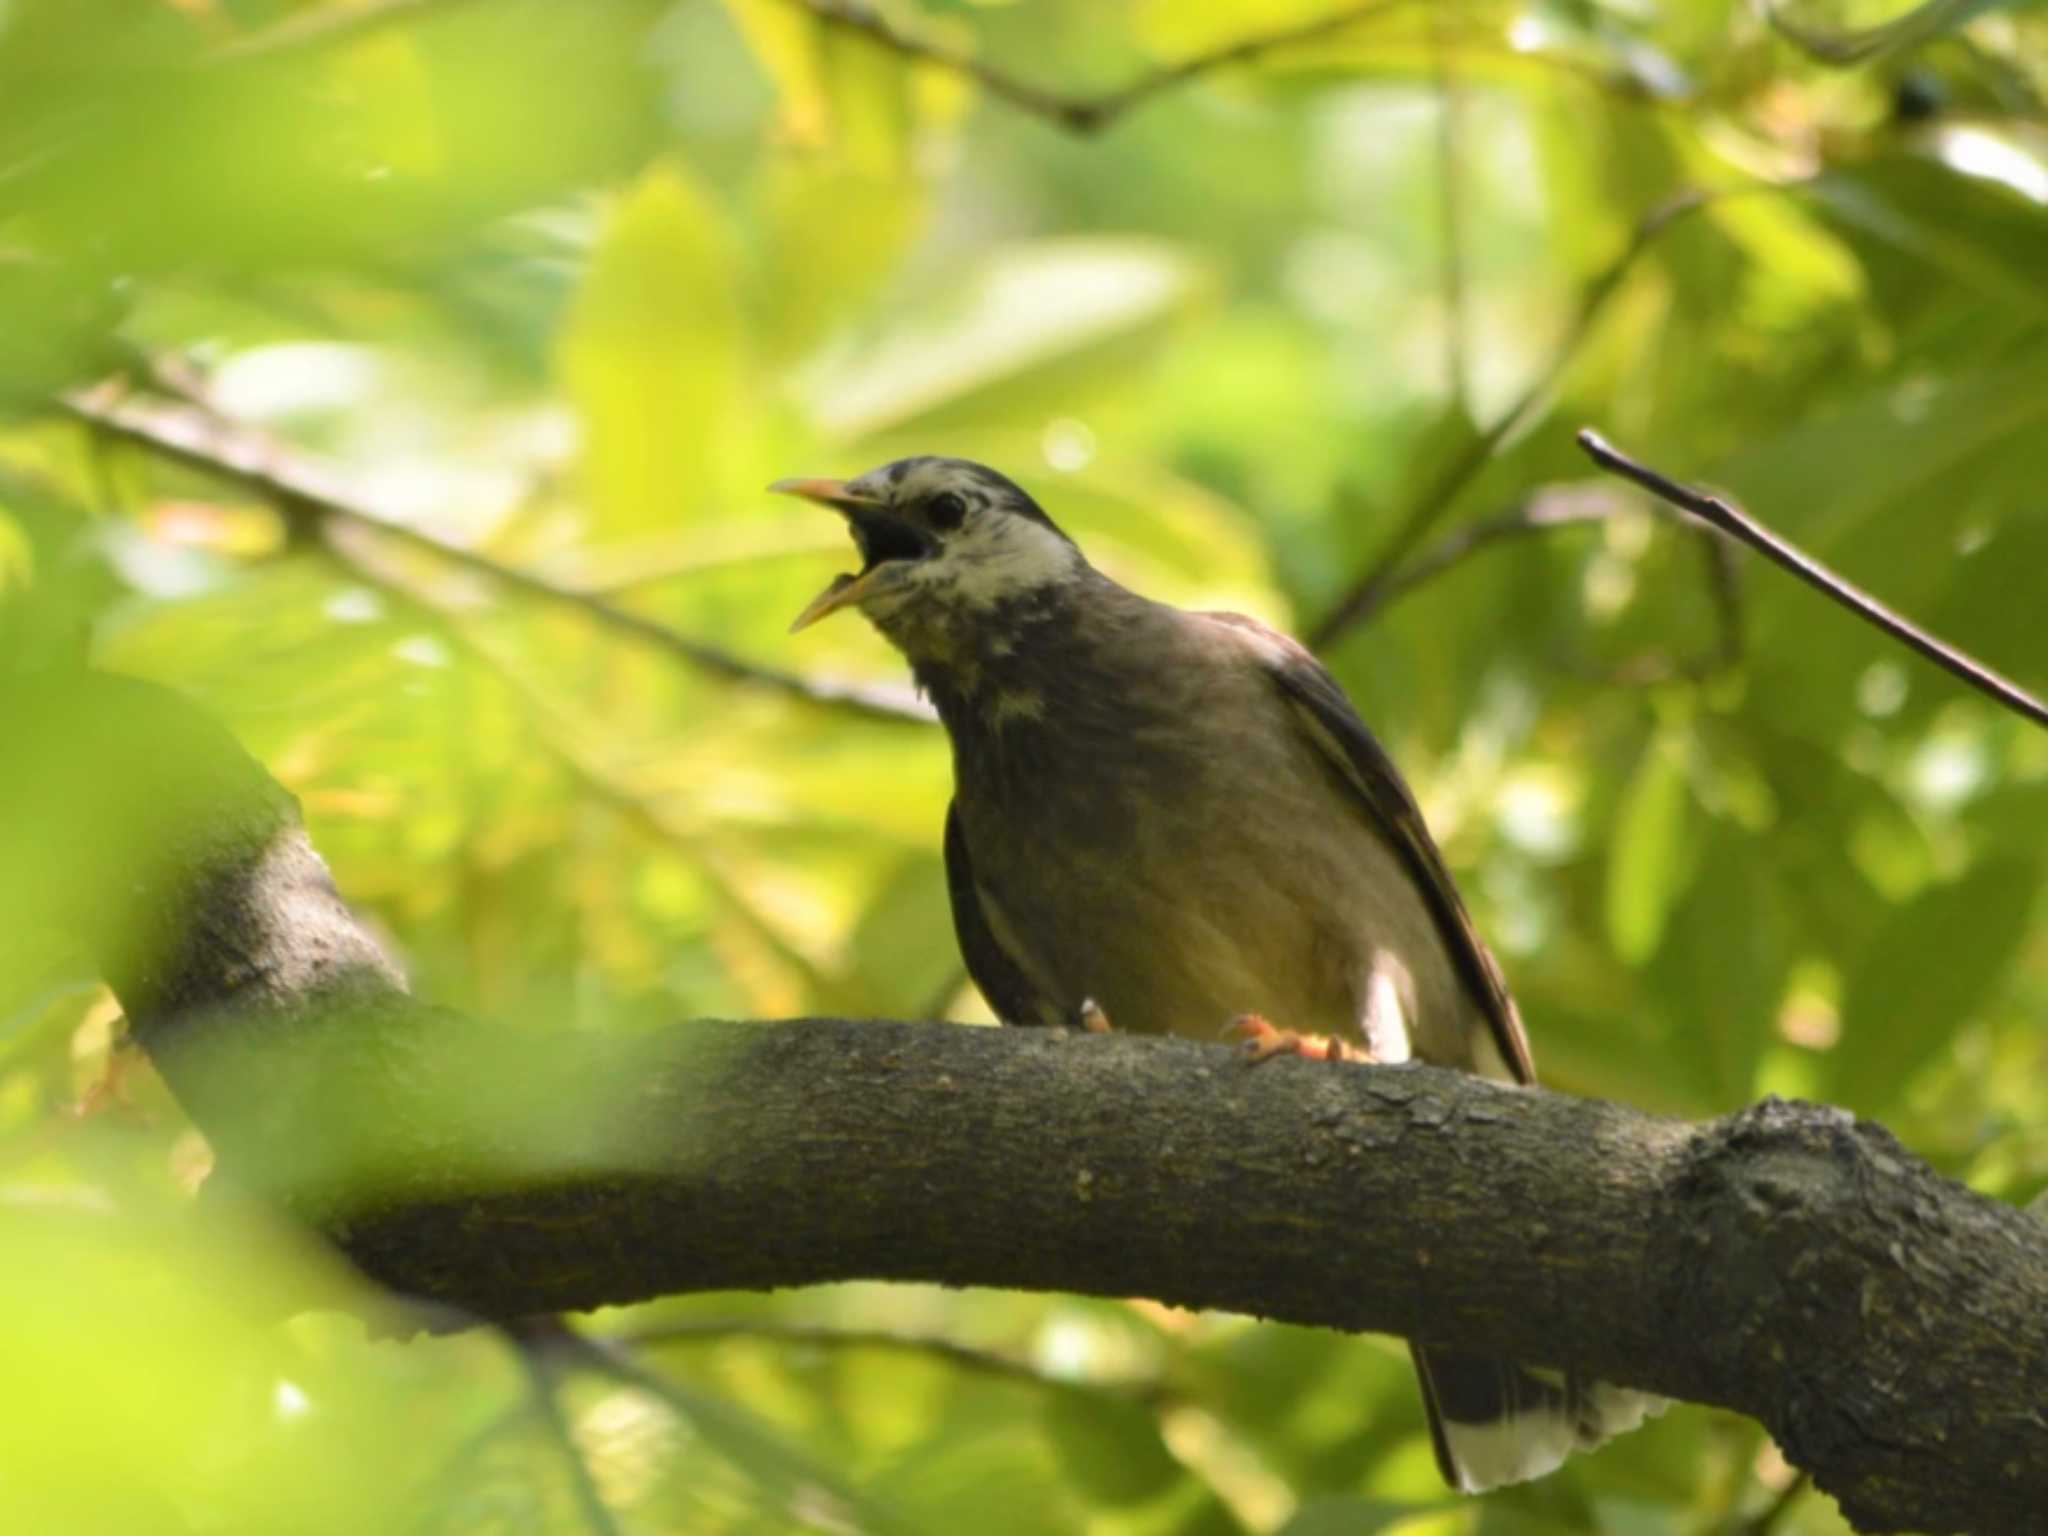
1890	1328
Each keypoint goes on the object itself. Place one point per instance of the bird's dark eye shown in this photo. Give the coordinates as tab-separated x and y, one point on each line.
945	511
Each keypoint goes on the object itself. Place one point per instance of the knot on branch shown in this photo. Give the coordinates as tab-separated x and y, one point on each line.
1825	1260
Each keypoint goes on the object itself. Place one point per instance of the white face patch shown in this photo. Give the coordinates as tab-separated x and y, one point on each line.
993	556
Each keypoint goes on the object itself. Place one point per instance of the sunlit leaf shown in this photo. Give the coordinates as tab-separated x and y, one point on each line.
1721	970
1025	310
654	357
1647	870
1924	976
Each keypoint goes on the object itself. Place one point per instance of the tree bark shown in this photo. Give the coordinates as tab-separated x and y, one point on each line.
1889	1327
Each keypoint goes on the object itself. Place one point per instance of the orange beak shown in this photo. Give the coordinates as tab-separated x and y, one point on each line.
826	493
844	589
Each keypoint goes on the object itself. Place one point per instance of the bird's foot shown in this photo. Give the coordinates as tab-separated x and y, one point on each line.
1091	1017
1261	1041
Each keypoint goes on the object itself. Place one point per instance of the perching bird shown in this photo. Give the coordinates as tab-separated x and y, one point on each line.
1168	821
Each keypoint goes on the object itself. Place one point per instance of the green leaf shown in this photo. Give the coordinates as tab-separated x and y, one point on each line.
777	1466
1978	232
1110	1446
653	357
1721	970
1924	976
1646	871
903	944
1024	313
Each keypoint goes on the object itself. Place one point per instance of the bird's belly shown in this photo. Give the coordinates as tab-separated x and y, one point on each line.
1180	930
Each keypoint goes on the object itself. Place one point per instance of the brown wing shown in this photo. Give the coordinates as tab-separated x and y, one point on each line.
1015	998
1333	725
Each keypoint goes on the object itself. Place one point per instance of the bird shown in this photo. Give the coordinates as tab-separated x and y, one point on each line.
1175	822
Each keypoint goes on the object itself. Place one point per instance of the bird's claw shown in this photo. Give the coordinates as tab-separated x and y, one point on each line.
1260	1041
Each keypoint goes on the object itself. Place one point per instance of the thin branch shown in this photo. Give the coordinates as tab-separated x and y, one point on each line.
1725	518
1542	514
1724	592
1856	46
1367	592
1086	114
555	735
982	1362
533	1343
1154	1392
190	436
1724	589
765	1455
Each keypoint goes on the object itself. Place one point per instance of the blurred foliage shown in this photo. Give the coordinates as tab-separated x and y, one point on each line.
567	284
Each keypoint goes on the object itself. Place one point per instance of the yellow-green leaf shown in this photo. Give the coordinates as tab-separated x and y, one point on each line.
653	357
1645	873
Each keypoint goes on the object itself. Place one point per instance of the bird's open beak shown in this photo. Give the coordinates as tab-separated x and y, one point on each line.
826	493
845	589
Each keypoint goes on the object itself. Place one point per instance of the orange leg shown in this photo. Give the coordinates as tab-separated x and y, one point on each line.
1260	1041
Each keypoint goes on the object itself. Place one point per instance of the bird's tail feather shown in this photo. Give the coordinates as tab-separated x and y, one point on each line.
1493	1421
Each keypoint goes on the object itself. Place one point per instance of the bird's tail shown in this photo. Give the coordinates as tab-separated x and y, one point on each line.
1493	1421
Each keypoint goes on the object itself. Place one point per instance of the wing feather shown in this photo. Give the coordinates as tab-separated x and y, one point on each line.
1010	991
1329	721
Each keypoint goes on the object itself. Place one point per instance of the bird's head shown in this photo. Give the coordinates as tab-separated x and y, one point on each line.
943	542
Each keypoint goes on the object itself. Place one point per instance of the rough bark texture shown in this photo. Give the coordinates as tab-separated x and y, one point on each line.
1889	1327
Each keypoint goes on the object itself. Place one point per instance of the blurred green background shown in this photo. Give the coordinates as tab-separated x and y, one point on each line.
565	285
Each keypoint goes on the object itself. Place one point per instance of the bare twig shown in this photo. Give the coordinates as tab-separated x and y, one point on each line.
1724	592
1083	113
1722	516
555	735
534	1343
190	436
1844	48
730	1431
1542	514
1548	513
1724	588
983	1362
1367	592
